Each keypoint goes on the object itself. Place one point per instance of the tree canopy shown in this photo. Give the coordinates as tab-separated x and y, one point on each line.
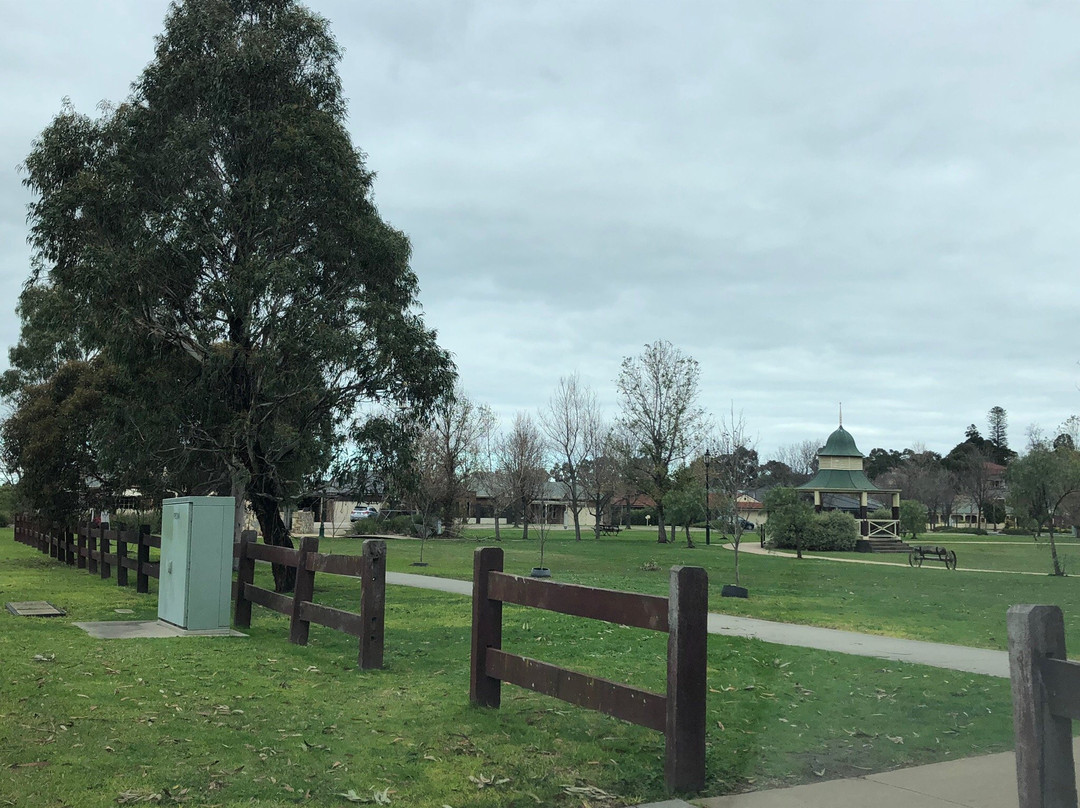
658	394
213	240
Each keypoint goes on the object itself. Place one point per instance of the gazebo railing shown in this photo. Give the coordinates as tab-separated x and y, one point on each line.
883	528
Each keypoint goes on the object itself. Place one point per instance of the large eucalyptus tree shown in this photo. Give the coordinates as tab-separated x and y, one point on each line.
214	238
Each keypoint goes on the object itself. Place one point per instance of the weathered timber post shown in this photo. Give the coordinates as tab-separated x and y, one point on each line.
92	549
1044	757
688	607
68	539
245	574
81	550
372	604
142	559
484	690
105	543
303	591
121	557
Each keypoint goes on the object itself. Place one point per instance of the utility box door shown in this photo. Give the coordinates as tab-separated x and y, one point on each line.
195	584
175	555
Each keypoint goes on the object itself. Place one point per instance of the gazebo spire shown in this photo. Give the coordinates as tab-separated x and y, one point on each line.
841	413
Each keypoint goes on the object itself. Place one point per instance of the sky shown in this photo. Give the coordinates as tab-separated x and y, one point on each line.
857	202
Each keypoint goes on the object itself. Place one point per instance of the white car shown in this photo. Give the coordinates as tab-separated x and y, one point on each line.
362	512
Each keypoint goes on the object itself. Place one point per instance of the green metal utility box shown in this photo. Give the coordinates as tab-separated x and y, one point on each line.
195	583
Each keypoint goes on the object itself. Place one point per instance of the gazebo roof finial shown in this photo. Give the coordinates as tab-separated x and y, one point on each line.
841	413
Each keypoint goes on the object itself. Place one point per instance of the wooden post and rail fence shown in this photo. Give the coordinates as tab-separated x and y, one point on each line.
369	567
1046	700
679	713
95	549
99	551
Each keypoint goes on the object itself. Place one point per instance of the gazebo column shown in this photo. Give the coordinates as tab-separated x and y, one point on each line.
817	502
863	524
896	505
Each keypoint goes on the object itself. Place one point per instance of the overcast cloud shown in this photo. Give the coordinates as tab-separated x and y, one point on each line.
873	203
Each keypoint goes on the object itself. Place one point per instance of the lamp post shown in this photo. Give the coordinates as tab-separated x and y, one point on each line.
708	509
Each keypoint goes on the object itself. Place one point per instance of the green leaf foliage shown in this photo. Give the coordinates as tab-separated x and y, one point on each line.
214	239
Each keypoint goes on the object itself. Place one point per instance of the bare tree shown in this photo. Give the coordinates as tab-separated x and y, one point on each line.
601	473
923	478
731	448
428	483
490	476
565	422
974	478
455	432
659	392
522	454
800	457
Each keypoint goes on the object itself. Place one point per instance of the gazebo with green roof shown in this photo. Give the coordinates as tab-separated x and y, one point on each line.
840	471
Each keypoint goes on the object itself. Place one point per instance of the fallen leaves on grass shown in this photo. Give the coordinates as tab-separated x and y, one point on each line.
128	797
591	792
483	781
146	795
377	797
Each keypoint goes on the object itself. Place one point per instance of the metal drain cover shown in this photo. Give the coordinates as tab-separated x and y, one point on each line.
34	608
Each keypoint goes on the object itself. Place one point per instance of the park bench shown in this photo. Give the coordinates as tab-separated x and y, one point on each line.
920	554
609	530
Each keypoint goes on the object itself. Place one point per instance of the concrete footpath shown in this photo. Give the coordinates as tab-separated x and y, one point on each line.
939	655
988	781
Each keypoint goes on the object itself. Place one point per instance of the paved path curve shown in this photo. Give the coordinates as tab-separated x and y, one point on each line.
939	655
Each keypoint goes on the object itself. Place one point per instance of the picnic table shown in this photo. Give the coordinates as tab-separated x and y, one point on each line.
609	530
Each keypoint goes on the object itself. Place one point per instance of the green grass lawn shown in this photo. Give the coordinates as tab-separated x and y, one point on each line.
965	608
228	722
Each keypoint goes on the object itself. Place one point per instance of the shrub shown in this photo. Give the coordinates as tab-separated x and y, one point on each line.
400	524
828	531
637	516
834	530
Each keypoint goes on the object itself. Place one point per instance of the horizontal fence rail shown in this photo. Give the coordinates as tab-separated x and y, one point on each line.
95	549
369	567
679	713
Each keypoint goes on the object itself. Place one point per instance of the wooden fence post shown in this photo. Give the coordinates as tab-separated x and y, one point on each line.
80	560
372	604
91	550
121	557
245	574
104	543
142	557
688	608
1044	758
53	541
303	591
484	690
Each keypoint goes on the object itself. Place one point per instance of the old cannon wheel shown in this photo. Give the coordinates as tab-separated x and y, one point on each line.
914	559
950	560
